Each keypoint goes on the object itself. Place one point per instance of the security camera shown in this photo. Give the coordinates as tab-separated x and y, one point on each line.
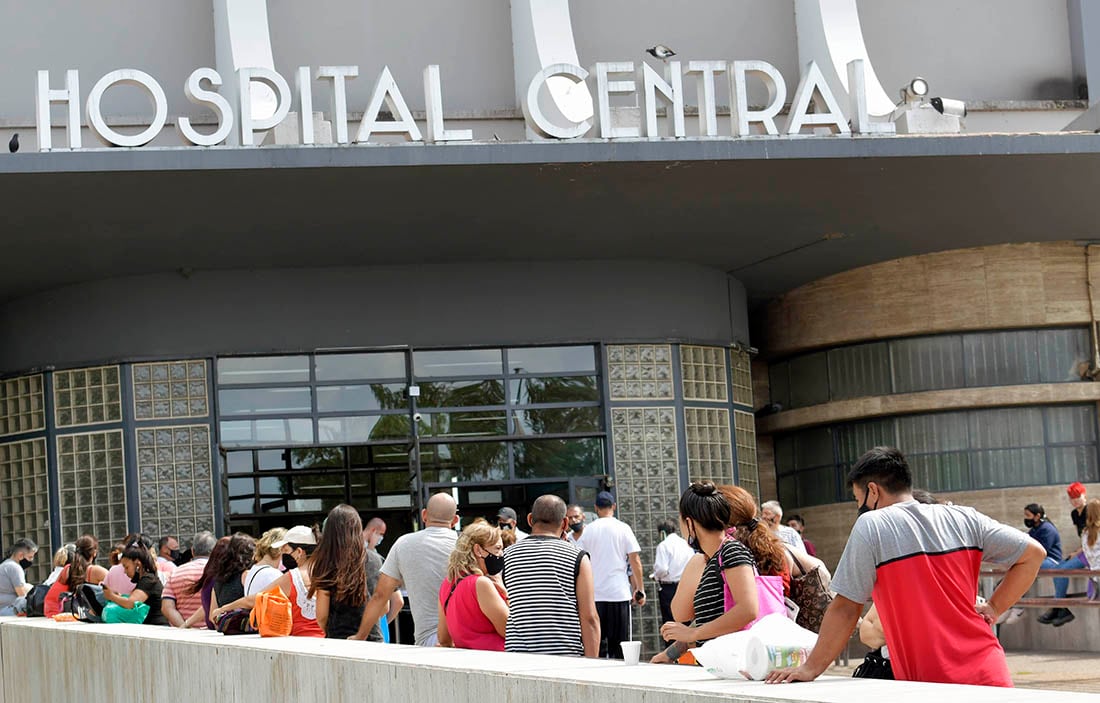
914	90
417	417
947	106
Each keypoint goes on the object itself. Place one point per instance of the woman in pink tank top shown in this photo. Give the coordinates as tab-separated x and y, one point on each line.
473	605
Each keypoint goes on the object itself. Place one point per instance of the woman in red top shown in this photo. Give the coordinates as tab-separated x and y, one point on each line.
298	546
81	570
473	607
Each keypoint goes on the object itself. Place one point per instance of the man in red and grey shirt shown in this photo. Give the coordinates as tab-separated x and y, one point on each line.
920	564
181	598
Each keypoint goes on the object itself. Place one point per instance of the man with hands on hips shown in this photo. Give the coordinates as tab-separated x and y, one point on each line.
920	563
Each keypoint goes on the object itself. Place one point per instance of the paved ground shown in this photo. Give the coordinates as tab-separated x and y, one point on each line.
1055	671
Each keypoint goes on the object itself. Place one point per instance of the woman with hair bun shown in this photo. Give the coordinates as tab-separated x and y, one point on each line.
707	513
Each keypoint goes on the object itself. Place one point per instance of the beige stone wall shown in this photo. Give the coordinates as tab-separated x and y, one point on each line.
997	287
828	526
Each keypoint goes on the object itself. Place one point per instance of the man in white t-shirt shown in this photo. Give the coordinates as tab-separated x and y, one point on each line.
611	545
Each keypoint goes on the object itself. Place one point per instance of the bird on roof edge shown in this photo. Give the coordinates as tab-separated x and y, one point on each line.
660	51
13	145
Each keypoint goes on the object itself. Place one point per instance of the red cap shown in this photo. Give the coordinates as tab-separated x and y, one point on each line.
1076	489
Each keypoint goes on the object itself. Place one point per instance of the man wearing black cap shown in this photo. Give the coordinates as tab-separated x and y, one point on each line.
611	545
506	520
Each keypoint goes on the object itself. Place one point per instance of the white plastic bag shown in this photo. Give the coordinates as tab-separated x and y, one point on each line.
724	656
772	643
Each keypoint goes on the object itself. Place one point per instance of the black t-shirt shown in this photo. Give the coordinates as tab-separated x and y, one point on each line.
151	585
710	600
343	620
229	590
1078	520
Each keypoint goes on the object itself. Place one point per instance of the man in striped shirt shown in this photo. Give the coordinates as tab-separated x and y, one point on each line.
551	593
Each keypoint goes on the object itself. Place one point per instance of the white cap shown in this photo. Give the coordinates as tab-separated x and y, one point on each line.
299	534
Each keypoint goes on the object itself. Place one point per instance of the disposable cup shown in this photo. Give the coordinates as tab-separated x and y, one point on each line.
631	652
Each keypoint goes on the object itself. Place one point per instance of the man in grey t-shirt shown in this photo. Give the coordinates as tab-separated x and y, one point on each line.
13	579
419	561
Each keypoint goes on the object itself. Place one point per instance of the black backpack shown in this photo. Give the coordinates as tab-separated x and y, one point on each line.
36	601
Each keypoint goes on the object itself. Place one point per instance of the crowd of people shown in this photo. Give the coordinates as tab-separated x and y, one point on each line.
567	584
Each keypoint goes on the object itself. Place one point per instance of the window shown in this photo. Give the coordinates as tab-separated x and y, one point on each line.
953	451
972	360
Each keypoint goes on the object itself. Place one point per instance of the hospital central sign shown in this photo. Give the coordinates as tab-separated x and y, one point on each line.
241	120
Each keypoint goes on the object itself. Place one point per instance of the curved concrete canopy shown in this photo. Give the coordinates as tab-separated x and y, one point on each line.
776	213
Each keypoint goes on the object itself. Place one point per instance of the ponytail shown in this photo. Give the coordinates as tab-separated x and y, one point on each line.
766	548
85	551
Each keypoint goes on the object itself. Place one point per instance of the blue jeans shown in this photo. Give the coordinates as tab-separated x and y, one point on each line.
1061	585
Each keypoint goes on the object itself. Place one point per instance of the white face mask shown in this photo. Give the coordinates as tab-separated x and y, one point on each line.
380	538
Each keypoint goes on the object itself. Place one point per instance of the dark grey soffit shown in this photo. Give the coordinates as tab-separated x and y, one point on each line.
776	213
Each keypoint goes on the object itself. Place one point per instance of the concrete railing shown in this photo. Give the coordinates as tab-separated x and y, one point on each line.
47	661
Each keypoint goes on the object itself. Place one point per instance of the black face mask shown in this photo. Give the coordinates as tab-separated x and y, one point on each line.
493	564
135	577
864	507
25	563
174	555
289	562
1028	522
576	526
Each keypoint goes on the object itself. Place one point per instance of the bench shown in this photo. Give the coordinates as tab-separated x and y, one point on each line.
1092	599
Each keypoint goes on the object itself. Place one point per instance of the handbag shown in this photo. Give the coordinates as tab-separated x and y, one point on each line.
235	622
114	613
809	593
874	666
77	603
271	616
769	593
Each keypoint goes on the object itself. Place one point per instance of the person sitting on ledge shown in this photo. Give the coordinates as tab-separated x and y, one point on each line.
137	562
1060	616
299	545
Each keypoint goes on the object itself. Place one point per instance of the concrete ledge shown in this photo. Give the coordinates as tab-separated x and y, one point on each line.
47	661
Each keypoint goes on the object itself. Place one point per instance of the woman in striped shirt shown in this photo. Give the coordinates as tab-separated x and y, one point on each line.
706	513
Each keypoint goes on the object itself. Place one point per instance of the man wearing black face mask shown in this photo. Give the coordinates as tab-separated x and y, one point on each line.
574	515
921	564
168	554
13	579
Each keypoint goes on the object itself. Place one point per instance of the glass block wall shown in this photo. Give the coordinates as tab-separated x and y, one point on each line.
670	422
174	474
24	499
91	476
22	408
107	444
87	396
175	468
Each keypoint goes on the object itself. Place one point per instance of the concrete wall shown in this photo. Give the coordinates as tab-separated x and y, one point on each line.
47	661
987	49
214	312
